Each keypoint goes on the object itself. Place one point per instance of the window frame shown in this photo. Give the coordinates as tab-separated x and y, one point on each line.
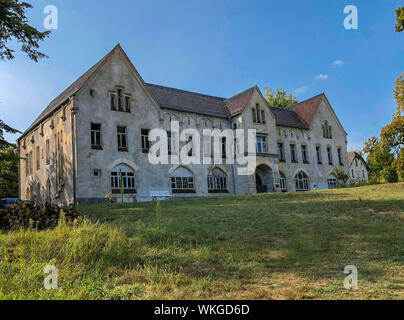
261	143
302	181
293	155
122	138
95	136
144	135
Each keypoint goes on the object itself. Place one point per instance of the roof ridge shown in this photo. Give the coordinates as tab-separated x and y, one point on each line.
171	88
240	93
296	104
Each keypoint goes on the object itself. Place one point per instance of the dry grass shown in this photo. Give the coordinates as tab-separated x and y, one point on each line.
272	246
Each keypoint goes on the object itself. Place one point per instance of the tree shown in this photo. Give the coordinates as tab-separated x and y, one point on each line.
380	161
6	128
9	172
279	98
14	26
400	19
399	93
341	177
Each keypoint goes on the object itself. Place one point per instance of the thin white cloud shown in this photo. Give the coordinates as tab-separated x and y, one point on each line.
300	90
337	63
321	77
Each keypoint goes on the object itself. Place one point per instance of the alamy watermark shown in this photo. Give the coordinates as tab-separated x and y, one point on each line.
51	20
214	146
50	281
351	20
351	280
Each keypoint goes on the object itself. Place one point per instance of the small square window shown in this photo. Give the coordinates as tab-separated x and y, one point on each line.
97	173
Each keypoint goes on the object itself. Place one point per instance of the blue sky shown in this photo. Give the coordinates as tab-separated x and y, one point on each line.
221	48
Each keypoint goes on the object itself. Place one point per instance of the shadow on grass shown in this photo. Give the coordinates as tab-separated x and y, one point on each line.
244	237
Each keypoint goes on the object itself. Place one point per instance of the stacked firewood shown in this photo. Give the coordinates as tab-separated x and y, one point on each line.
35	215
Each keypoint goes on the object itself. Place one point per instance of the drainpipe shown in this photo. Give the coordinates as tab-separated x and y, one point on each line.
234	162
19	170
74	151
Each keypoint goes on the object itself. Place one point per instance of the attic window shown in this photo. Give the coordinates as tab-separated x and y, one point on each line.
119	100
327	133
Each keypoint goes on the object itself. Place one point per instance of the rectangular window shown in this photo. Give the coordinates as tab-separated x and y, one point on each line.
281	152
304	154
318	152
127	103
254	115
332	183
293	153
122	139
145	140
329	153
261	145
112	100
126	179
363	174
262	116
95	135
97	173
38	158
339	156
223	142
217	183
352	173
119	95
257	108
47	152
182	183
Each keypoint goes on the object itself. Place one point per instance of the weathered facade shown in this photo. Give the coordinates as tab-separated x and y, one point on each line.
94	137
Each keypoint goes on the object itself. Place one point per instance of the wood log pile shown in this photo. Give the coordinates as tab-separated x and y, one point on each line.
34	215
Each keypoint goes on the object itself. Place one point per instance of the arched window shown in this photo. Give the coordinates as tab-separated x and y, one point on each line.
332	182
217	181
282	182
122	176
302	181
182	181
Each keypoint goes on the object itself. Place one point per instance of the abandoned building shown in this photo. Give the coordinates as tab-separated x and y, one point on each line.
96	134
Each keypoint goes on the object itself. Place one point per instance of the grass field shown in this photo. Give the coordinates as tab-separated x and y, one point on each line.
266	246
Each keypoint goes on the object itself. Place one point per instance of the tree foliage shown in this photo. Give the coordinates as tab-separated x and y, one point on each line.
5	128
9	172
400	19
279	98
14	26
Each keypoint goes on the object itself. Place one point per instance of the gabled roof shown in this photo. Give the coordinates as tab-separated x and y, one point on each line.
237	103
298	116
351	157
288	118
181	100
71	90
307	108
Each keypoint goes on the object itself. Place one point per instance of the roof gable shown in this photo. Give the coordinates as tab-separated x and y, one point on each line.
352	155
307	108
237	103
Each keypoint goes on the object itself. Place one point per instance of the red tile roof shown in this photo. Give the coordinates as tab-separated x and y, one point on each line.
307	108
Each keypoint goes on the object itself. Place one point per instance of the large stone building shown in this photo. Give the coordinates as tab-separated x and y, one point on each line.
97	131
